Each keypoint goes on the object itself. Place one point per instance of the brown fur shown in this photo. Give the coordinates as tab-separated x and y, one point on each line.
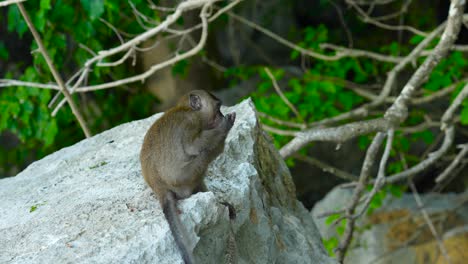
177	150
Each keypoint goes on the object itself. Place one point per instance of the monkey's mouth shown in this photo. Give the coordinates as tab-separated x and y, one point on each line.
216	121
219	118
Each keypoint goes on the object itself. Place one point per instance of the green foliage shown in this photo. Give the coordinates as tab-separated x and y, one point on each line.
318	93
315	97
3	51
330	245
332	242
181	68
448	70
377	201
379	197
464	113
94	8
62	28
312	38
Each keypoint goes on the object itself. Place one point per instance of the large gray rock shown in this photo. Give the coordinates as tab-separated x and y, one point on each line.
88	203
397	231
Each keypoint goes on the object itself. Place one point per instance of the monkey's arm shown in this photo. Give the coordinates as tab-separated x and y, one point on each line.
207	141
211	141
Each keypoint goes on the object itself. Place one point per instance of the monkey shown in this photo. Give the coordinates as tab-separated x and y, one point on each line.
177	150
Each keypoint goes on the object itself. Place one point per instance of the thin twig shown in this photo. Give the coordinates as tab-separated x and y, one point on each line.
398	112
453	165
281	122
116	31
351	207
429	223
440	93
54	71
431	159
368	19
9	2
344	52
278	131
280	93
326	167
343	23
9	82
448	115
379	182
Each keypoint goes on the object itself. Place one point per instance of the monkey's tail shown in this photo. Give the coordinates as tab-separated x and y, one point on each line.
177	229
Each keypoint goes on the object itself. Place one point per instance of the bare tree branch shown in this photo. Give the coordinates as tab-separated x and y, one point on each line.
429	223
326	167
442	92
184	6
278	131
9	82
342	53
351	207
368	19
379	182
279	121
398	111
453	165
9	2
448	115
432	158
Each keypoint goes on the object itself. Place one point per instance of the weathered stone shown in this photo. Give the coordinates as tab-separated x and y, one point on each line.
88	203
397	231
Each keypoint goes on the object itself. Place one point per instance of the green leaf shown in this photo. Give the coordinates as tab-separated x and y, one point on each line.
394	167
3	51
15	21
50	132
180	68
94	8
464	115
294	54
341	227
45	4
39	21
331	219
264	86
295	84
330	244
416	39
395	190
425	135
33	208
404	143
363	142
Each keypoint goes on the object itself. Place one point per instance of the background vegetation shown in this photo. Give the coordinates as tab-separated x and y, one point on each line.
240	59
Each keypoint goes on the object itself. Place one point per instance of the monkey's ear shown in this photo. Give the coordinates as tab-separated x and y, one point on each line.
195	102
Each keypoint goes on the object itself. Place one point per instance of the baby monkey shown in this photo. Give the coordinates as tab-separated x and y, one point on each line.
177	150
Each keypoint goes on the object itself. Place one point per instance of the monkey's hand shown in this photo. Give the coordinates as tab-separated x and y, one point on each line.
230	118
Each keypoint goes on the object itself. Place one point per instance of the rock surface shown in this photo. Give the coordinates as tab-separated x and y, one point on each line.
397	231
88	203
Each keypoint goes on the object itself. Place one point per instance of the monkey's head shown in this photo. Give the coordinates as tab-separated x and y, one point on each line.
208	106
